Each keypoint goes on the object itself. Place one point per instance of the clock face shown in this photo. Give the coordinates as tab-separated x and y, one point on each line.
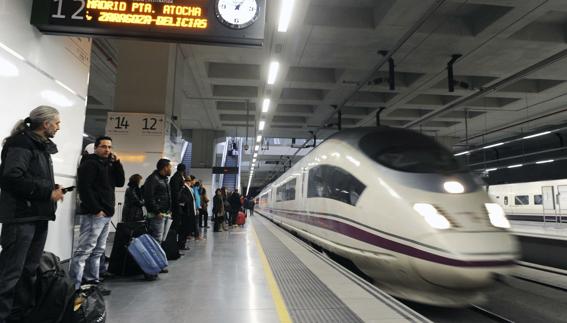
237	14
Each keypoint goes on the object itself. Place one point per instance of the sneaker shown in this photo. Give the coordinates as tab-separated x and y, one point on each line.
164	271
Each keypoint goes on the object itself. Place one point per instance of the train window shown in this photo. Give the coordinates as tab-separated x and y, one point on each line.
538	199
286	191
419	160
522	200
334	183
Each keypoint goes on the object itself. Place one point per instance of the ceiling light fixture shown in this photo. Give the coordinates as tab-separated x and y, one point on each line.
463	153
261	125
273	72
258	139
516	166
266	105
545	161
286	10
492	146
537	135
255	155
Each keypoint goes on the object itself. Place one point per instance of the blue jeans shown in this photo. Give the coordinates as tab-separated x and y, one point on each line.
92	243
155	227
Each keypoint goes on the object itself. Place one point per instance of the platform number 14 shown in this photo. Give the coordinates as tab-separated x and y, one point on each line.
121	123
76	16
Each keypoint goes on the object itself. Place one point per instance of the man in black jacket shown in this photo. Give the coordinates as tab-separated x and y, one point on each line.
28	200
158	198
98	176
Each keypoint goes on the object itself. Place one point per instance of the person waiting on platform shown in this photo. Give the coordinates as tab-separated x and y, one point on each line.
133	200
197	195
158	198
28	200
175	185
98	176
235	206
204	208
218	211
187	209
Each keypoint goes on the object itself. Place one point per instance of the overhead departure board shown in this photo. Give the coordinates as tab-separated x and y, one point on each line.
224	22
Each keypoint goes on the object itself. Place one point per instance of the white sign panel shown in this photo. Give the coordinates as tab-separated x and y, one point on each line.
135	124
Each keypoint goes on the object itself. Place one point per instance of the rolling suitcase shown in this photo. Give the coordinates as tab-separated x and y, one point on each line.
148	254
121	262
240	218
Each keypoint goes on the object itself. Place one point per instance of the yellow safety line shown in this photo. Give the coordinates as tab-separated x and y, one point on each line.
283	314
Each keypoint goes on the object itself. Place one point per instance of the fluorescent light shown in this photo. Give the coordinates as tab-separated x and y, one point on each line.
12	52
545	161
7	68
453	187
495	145
286	10
257	148
259	138
516	166
255	155
491	169
537	135
56	98
65	87
261	125
266	105
273	72
254	161
463	153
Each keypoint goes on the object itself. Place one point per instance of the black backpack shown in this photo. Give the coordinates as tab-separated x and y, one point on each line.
54	291
87	306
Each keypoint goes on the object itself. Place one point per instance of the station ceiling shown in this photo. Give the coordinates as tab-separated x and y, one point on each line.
510	77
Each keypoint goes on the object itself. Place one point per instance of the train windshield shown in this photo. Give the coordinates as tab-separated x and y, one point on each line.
419	160
408	151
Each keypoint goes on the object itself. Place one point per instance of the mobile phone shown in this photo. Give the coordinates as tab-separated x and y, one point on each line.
68	189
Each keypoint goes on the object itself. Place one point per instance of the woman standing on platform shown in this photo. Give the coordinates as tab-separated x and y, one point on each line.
133	200
218	211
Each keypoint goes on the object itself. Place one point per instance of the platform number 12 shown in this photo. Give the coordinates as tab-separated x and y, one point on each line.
76	16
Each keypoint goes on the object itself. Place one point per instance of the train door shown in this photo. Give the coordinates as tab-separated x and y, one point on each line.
548	202
562	201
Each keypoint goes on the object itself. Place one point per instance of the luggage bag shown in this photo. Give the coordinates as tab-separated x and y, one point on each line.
240	218
148	254
121	262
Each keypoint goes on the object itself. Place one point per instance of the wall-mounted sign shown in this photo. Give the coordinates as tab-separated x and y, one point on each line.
225	170
135	124
232	22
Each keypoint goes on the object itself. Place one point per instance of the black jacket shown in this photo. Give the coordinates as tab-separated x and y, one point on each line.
175	185
133	202
234	201
218	205
26	179
186	202
157	194
97	180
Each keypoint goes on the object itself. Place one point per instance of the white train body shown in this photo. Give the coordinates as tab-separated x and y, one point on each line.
531	201
368	215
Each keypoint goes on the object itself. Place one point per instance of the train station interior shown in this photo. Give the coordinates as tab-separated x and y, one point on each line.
395	160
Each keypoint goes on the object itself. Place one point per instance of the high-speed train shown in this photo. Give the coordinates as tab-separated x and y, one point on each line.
533	201
402	209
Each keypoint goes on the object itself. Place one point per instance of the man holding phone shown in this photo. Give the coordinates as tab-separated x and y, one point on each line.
98	176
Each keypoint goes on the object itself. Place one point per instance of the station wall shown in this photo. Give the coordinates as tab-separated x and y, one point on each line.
35	70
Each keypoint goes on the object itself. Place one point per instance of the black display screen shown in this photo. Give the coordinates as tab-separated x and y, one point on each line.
193	21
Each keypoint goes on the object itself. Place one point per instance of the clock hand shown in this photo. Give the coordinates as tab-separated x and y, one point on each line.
238	5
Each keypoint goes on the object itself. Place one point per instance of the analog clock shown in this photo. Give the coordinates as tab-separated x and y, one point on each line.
237	14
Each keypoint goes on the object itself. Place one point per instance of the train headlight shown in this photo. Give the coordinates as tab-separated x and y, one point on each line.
453	187
432	216
497	216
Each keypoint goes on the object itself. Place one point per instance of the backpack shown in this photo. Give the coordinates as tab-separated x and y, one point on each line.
87	306
54	291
